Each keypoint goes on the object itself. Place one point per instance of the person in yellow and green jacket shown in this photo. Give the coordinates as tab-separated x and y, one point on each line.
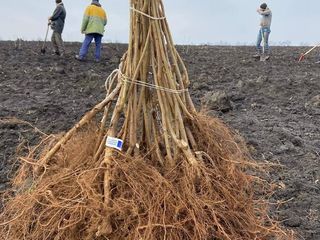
93	23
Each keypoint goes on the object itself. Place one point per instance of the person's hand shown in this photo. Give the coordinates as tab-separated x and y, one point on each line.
49	18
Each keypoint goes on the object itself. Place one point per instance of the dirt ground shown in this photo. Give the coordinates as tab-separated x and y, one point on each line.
275	106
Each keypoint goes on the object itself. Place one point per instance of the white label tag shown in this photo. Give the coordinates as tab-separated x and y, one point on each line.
114	143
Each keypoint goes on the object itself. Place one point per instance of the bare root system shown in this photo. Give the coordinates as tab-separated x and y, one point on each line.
214	201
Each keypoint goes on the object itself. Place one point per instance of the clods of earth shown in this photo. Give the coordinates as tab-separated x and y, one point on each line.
274	105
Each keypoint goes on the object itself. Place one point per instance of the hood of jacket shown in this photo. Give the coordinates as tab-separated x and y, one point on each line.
95	2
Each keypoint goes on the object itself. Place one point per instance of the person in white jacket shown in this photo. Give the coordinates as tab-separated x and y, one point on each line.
264	31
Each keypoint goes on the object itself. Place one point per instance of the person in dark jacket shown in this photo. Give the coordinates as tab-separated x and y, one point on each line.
57	24
93	23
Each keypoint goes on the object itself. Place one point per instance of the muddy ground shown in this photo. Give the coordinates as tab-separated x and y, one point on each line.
275	105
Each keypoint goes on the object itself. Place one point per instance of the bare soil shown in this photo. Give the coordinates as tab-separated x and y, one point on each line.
274	105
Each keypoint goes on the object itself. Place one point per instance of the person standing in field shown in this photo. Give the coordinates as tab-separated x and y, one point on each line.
93	23
57	21
264	32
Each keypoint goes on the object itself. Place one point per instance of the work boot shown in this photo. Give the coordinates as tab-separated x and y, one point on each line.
264	57
257	55
77	57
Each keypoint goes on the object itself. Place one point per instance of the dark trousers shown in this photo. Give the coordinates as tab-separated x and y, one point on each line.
57	43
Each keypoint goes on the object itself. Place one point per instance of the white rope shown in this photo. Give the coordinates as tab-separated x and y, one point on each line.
150	85
147	15
109	78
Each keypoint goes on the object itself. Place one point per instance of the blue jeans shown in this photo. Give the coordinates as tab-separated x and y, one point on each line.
86	44
263	34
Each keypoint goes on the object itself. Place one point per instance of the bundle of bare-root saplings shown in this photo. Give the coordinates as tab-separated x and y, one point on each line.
143	164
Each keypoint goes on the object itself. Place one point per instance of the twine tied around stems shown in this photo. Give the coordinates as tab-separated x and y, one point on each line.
147	15
126	79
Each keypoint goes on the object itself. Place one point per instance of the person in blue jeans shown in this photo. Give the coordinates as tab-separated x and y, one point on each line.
264	31
93	23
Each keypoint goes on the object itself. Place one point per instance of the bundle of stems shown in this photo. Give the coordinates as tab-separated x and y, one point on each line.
154	97
154	101
180	174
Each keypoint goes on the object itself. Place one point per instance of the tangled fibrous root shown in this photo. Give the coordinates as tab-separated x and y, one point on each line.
215	201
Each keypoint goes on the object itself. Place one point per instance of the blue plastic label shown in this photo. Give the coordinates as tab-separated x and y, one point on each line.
114	143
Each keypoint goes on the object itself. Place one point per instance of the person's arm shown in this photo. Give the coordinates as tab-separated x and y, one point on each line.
265	12
105	19
85	20
57	12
